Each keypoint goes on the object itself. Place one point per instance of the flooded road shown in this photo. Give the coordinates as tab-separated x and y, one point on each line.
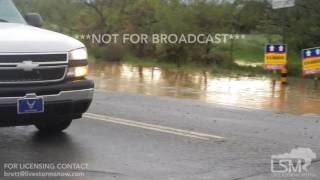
299	97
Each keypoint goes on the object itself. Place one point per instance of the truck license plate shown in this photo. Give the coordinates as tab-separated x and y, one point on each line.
30	105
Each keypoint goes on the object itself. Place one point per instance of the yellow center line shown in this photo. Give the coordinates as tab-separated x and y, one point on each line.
154	127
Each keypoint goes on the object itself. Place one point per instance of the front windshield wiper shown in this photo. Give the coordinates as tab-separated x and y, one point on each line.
3	20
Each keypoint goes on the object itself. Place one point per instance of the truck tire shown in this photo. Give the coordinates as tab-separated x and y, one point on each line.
52	126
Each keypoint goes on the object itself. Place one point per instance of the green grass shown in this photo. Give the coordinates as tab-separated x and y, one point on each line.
234	70
251	48
294	64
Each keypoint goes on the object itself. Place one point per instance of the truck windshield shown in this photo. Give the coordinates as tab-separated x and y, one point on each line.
9	12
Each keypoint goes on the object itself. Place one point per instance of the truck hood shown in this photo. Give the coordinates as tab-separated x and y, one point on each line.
20	38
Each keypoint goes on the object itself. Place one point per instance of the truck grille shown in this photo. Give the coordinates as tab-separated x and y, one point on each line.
32	68
33	58
35	75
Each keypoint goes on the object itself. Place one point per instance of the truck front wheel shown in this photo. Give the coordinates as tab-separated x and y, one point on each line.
53	126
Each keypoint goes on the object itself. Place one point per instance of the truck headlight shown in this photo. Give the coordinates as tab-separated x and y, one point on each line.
78	64
78	54
78	72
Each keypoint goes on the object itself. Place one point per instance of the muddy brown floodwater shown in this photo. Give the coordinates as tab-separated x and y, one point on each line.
299	97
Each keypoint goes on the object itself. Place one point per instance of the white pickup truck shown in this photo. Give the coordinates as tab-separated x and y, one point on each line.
42	73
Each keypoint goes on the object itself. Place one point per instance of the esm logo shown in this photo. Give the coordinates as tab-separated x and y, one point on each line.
295	163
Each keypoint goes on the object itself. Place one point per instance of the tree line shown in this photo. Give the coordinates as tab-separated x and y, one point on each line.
299	25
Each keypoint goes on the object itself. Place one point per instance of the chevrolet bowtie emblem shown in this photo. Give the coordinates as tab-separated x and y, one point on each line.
27	65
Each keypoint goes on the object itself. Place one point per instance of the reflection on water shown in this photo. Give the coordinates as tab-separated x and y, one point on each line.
301	96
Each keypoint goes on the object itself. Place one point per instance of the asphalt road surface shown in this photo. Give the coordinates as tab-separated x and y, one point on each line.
130	136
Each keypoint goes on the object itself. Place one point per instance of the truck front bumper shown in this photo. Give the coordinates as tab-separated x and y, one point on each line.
64	100
73	95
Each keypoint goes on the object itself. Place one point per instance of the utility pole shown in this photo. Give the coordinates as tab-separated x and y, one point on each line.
283	5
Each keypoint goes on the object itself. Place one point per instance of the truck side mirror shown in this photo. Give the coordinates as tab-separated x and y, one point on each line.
34	19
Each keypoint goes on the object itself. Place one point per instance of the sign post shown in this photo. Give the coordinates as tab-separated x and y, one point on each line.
311	61
275	57
283	4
